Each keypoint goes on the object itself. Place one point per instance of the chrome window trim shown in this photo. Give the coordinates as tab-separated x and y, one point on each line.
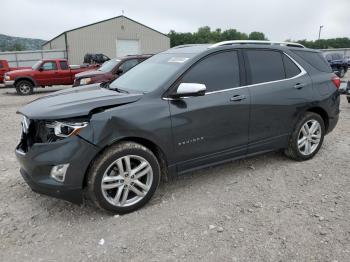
302	72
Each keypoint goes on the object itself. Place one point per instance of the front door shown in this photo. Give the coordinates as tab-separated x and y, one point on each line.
213	127
48	74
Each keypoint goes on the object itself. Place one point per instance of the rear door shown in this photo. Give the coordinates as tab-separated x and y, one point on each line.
279	89
213	127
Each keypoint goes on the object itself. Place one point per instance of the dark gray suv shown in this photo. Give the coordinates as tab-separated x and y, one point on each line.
187	108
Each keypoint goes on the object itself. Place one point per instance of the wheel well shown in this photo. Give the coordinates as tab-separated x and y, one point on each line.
156	150
26	79
322	113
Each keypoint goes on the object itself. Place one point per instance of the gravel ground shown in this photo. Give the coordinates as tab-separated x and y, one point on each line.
266	208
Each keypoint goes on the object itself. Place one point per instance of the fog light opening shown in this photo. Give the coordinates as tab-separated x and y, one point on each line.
59	172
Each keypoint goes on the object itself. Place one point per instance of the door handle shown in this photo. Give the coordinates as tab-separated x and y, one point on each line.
237	98
299	85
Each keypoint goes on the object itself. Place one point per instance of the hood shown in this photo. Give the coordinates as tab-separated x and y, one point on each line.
16	71
89	74
74	102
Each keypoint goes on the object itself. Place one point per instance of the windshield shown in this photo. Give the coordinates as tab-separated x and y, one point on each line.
109	65
152	73
37	65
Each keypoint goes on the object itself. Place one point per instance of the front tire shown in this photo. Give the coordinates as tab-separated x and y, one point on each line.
123	178
24	87
307	137
342	72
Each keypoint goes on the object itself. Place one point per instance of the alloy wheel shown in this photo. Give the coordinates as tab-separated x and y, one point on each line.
309	137
25	89
127	180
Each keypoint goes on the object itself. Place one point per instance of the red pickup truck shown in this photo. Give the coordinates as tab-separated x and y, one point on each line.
46	72
4	68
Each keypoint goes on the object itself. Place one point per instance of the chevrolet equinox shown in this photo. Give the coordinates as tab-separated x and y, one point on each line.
190	107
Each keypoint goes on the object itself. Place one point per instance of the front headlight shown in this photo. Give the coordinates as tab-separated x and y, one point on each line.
7	77
65	129
85	81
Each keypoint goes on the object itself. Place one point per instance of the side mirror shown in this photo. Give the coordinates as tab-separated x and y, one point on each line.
119	72
190	89
41	69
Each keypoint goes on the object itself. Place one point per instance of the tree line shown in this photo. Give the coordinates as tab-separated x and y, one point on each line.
206	35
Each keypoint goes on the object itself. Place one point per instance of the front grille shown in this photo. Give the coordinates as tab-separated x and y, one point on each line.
36	132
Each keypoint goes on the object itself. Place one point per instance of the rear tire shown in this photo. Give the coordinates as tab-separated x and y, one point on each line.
123	178
307	137
348	98
24	87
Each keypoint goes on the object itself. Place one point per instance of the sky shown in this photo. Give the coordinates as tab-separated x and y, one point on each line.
278	19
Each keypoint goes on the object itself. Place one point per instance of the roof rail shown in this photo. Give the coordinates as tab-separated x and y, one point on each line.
256	42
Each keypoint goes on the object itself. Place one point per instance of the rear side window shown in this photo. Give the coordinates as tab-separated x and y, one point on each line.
290	67
314	59
217	72
64	65
128	64
265	66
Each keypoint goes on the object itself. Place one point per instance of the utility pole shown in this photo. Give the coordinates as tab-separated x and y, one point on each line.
319	32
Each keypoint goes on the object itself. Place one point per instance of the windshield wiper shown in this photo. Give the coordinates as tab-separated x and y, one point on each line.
107	86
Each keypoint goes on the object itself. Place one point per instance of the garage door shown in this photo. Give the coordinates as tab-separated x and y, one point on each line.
127	47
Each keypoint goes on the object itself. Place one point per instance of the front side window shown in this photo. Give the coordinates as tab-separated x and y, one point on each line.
48	66
127	65
265	66
217	72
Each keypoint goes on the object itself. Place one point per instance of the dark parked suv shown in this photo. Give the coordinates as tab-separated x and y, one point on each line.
187	108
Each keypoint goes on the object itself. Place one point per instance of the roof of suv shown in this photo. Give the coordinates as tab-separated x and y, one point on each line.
198	48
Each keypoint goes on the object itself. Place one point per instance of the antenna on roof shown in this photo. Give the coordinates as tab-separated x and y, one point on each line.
122	12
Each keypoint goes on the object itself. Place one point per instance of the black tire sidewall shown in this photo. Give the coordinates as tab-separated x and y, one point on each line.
18	84
307	117
105	162
341	72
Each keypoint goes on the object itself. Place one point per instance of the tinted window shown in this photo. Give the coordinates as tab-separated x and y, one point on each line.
47	66
153	73
219	71
127	65
290	67
265	66
64	65
1	66
315	59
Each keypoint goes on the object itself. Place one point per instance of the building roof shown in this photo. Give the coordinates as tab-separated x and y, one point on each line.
120	16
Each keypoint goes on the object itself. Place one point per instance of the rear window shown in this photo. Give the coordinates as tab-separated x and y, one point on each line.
64	65
265	66
314	59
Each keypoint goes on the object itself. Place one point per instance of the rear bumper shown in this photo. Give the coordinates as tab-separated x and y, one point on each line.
332	122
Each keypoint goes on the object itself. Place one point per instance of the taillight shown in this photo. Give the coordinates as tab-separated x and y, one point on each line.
336	81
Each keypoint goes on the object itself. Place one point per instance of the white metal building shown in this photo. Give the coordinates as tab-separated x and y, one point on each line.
113	37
